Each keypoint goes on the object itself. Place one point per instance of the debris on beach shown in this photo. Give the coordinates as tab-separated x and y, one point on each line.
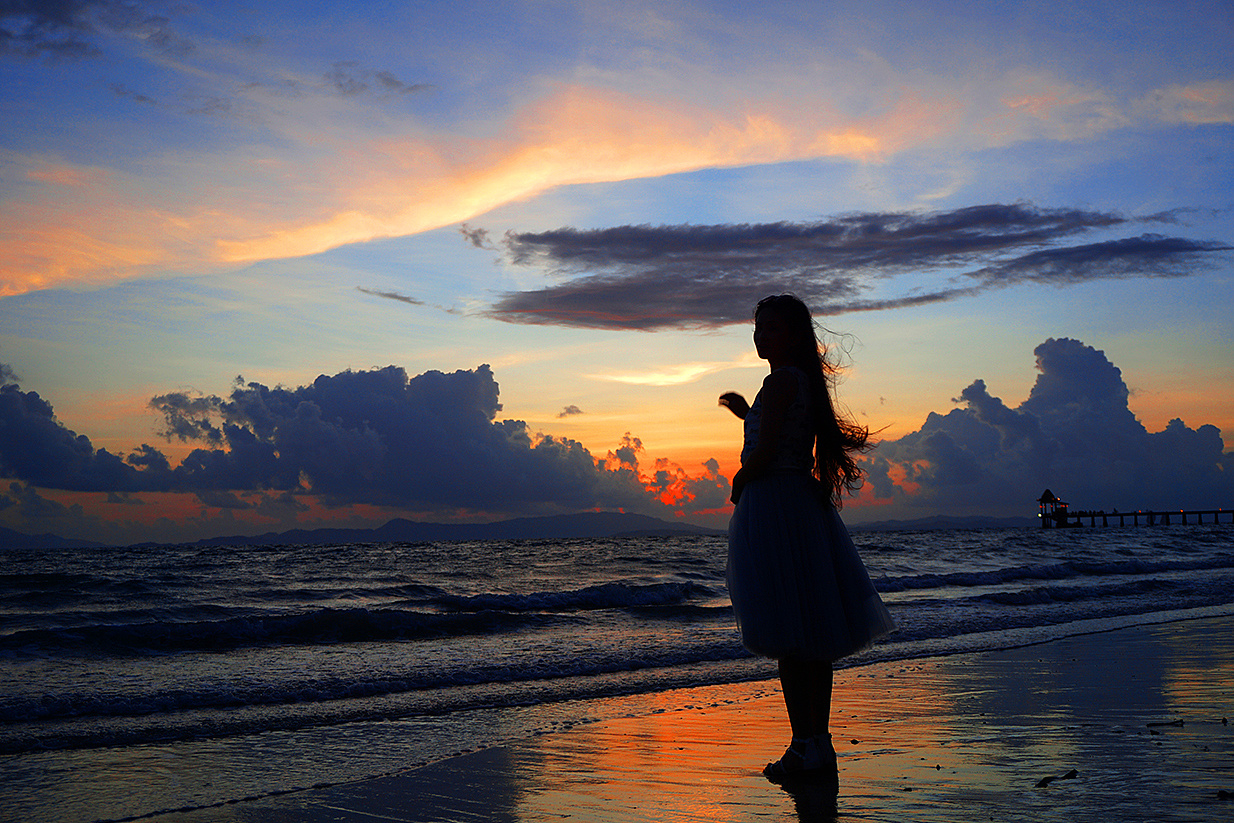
1045	781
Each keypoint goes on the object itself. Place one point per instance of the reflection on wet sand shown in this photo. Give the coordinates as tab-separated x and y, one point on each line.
967	737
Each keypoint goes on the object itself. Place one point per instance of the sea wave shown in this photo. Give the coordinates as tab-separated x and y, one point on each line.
453	616
109	648
616	595
1047	571
227	694
319	627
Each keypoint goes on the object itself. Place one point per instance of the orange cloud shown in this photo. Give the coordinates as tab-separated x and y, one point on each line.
114	226
71	224
80	225
61	174
1197	104
576	136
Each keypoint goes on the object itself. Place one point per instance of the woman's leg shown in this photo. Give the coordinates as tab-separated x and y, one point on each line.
807	695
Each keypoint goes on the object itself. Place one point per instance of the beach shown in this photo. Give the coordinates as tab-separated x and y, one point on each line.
1123	725
605	680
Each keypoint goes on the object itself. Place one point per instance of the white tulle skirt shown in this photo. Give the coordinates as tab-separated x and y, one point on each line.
798	586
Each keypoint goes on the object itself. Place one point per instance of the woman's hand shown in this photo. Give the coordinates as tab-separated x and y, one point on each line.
735	403
739	483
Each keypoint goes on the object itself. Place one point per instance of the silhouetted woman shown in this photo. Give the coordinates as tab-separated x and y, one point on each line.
799	589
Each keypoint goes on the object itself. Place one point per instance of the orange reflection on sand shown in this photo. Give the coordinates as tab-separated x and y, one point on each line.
1041	733
1195	673
669	763
891	708
698	755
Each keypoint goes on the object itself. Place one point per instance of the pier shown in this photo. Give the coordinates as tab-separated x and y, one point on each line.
1055	514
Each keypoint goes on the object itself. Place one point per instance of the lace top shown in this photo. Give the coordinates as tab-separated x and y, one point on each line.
795	451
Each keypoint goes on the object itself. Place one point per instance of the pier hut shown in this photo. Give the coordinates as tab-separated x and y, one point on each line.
1052	511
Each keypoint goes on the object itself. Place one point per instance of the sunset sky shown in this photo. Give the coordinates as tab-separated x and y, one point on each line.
298	264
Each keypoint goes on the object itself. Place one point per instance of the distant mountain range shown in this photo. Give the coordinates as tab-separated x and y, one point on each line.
560	527
942	522
10	539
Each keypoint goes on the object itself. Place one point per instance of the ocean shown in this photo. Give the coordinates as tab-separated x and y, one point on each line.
149	679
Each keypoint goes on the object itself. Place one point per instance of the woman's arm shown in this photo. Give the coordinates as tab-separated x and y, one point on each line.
779	392
735	403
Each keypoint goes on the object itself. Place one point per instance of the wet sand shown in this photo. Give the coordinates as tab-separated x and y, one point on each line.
1127	725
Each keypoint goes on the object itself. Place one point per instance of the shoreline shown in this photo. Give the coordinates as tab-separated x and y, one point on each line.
1140	715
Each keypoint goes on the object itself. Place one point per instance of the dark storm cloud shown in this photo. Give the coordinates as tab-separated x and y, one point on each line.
280	506
221	500
67	28
187	417
37	448
1074	434
374	436
1148	255
711	489
627	453
380	436
33	507
648	277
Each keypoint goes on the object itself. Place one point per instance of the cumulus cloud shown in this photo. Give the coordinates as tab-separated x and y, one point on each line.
33	507
378	437
648	277
570	411
221	500
1074	434
382	437
37	448
627	453
279	506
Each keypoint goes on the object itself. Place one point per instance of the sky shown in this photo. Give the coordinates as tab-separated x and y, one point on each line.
295	264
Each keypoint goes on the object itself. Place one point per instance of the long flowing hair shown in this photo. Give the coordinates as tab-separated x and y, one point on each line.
836	437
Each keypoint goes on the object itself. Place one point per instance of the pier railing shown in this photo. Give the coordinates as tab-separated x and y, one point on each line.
1066	519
